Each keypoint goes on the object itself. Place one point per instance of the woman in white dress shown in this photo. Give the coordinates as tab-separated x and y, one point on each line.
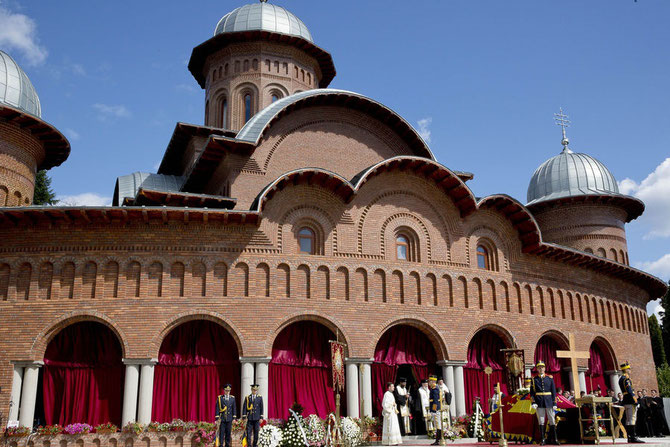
391	429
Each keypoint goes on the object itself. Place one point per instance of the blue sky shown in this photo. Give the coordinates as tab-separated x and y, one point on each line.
480	79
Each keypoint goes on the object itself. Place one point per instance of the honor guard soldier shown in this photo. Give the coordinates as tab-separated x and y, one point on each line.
226	412
435	407
543	393
629	403
253	411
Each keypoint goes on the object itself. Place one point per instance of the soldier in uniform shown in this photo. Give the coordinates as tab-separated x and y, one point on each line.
435	408
543	393
253	411
629	403
226	411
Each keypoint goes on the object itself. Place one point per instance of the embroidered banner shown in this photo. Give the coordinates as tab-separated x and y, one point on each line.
337	356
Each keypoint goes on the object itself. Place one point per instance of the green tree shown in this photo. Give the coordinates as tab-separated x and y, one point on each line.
665	321
656	342
663	376
44	195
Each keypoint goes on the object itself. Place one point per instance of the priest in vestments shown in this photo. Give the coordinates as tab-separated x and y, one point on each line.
391	428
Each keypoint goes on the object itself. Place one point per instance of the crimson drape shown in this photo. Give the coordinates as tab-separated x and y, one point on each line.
400	345
300	371
484	350
194	361
595	374
83	376
546	351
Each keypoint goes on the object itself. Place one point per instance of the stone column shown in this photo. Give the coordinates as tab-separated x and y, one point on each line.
351	385
15	399
146	400
29	393
582	378
247	380
529	370
448	372
572	380
614	380
263	380
459	388
366	388
130	387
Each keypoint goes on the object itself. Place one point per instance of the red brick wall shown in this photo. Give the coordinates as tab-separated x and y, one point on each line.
20	154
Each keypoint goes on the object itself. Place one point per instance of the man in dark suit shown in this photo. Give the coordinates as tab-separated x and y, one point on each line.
226	412
543	393
253	411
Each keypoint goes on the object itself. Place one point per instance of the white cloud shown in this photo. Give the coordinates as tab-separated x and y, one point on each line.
18	32
85	199
659	267
424	128
78	69
654	191
107	111
655	308
71	134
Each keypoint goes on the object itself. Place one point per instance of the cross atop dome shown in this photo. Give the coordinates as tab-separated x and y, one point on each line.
563	121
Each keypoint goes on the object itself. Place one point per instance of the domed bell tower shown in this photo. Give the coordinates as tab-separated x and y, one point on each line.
259	54
27	144
576	202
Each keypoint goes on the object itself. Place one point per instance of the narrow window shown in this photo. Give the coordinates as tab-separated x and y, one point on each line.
223	113
402	248
247	107
274	98
483	258
306	240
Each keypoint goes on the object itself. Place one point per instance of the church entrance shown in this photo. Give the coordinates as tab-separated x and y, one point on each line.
546	351
82	377
300	371
195	359
484	350
403	351
599	362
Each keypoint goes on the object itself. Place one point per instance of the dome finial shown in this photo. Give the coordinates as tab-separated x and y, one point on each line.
563	121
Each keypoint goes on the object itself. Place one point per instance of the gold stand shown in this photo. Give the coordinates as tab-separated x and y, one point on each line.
593	402
502	442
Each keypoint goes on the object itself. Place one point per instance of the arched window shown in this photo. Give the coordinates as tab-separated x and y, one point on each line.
207	113
223	112
402	248
247	107
306	240
483	258
274	97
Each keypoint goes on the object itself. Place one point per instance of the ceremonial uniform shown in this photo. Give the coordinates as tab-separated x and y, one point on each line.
253	411
424	404
435	407
629	403
543	393
225	413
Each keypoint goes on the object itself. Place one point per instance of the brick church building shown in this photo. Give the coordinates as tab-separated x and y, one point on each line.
297	214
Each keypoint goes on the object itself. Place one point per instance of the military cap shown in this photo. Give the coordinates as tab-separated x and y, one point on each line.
625	365
540	363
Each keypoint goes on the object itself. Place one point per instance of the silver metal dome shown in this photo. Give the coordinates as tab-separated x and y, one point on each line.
16	90
570	174
263	17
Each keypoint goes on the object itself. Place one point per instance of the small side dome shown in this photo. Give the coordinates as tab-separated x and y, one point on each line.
263	17
16	90
570	174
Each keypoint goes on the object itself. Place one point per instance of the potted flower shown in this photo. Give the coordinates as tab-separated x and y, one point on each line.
50	430
106	428
157	427
17	431
133	427
77	429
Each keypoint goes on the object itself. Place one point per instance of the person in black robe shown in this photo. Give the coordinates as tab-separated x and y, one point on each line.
659	420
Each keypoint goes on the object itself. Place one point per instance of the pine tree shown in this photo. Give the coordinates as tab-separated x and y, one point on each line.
656	341
44	195
665	321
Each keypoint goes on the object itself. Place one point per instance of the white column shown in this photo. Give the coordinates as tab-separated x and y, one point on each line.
17	382
459	390
366	388
247	380
529	370
263	380
614	381
351	385
582	379
572	379
130	387
448	372
29	394
146	400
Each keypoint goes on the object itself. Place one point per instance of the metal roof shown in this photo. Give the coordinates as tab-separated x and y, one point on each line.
265	17
570	174
129	185
16	90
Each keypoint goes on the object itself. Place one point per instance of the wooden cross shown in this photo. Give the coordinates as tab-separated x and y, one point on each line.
573	355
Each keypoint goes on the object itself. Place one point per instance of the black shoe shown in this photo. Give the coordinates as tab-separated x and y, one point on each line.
543	439
632	437
553	436
438	437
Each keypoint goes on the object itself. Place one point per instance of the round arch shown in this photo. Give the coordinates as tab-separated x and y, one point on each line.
601	360
545	349
425	326
329	322
505	334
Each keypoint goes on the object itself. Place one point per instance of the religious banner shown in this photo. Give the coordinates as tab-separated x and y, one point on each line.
337	356
516	369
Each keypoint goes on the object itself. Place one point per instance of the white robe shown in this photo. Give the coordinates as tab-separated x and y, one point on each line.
391	429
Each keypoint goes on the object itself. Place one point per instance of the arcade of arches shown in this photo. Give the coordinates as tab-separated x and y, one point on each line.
85	379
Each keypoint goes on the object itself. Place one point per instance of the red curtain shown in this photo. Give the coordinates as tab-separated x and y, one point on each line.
483	351
300	371
83	376
381	375
546	351
595	376
195	360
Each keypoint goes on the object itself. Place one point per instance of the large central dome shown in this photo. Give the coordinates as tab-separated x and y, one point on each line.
263	17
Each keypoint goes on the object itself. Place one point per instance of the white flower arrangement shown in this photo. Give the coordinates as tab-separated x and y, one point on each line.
314	430
351	432
269	436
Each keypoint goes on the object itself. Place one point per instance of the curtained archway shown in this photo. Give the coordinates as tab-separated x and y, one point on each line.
82	377
545	350
484	350
194	360
300	371
403	349
599	362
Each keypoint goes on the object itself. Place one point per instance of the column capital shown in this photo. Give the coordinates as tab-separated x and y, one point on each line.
350	360
452	362
255	359
582	369
613	372
28	363
140	362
